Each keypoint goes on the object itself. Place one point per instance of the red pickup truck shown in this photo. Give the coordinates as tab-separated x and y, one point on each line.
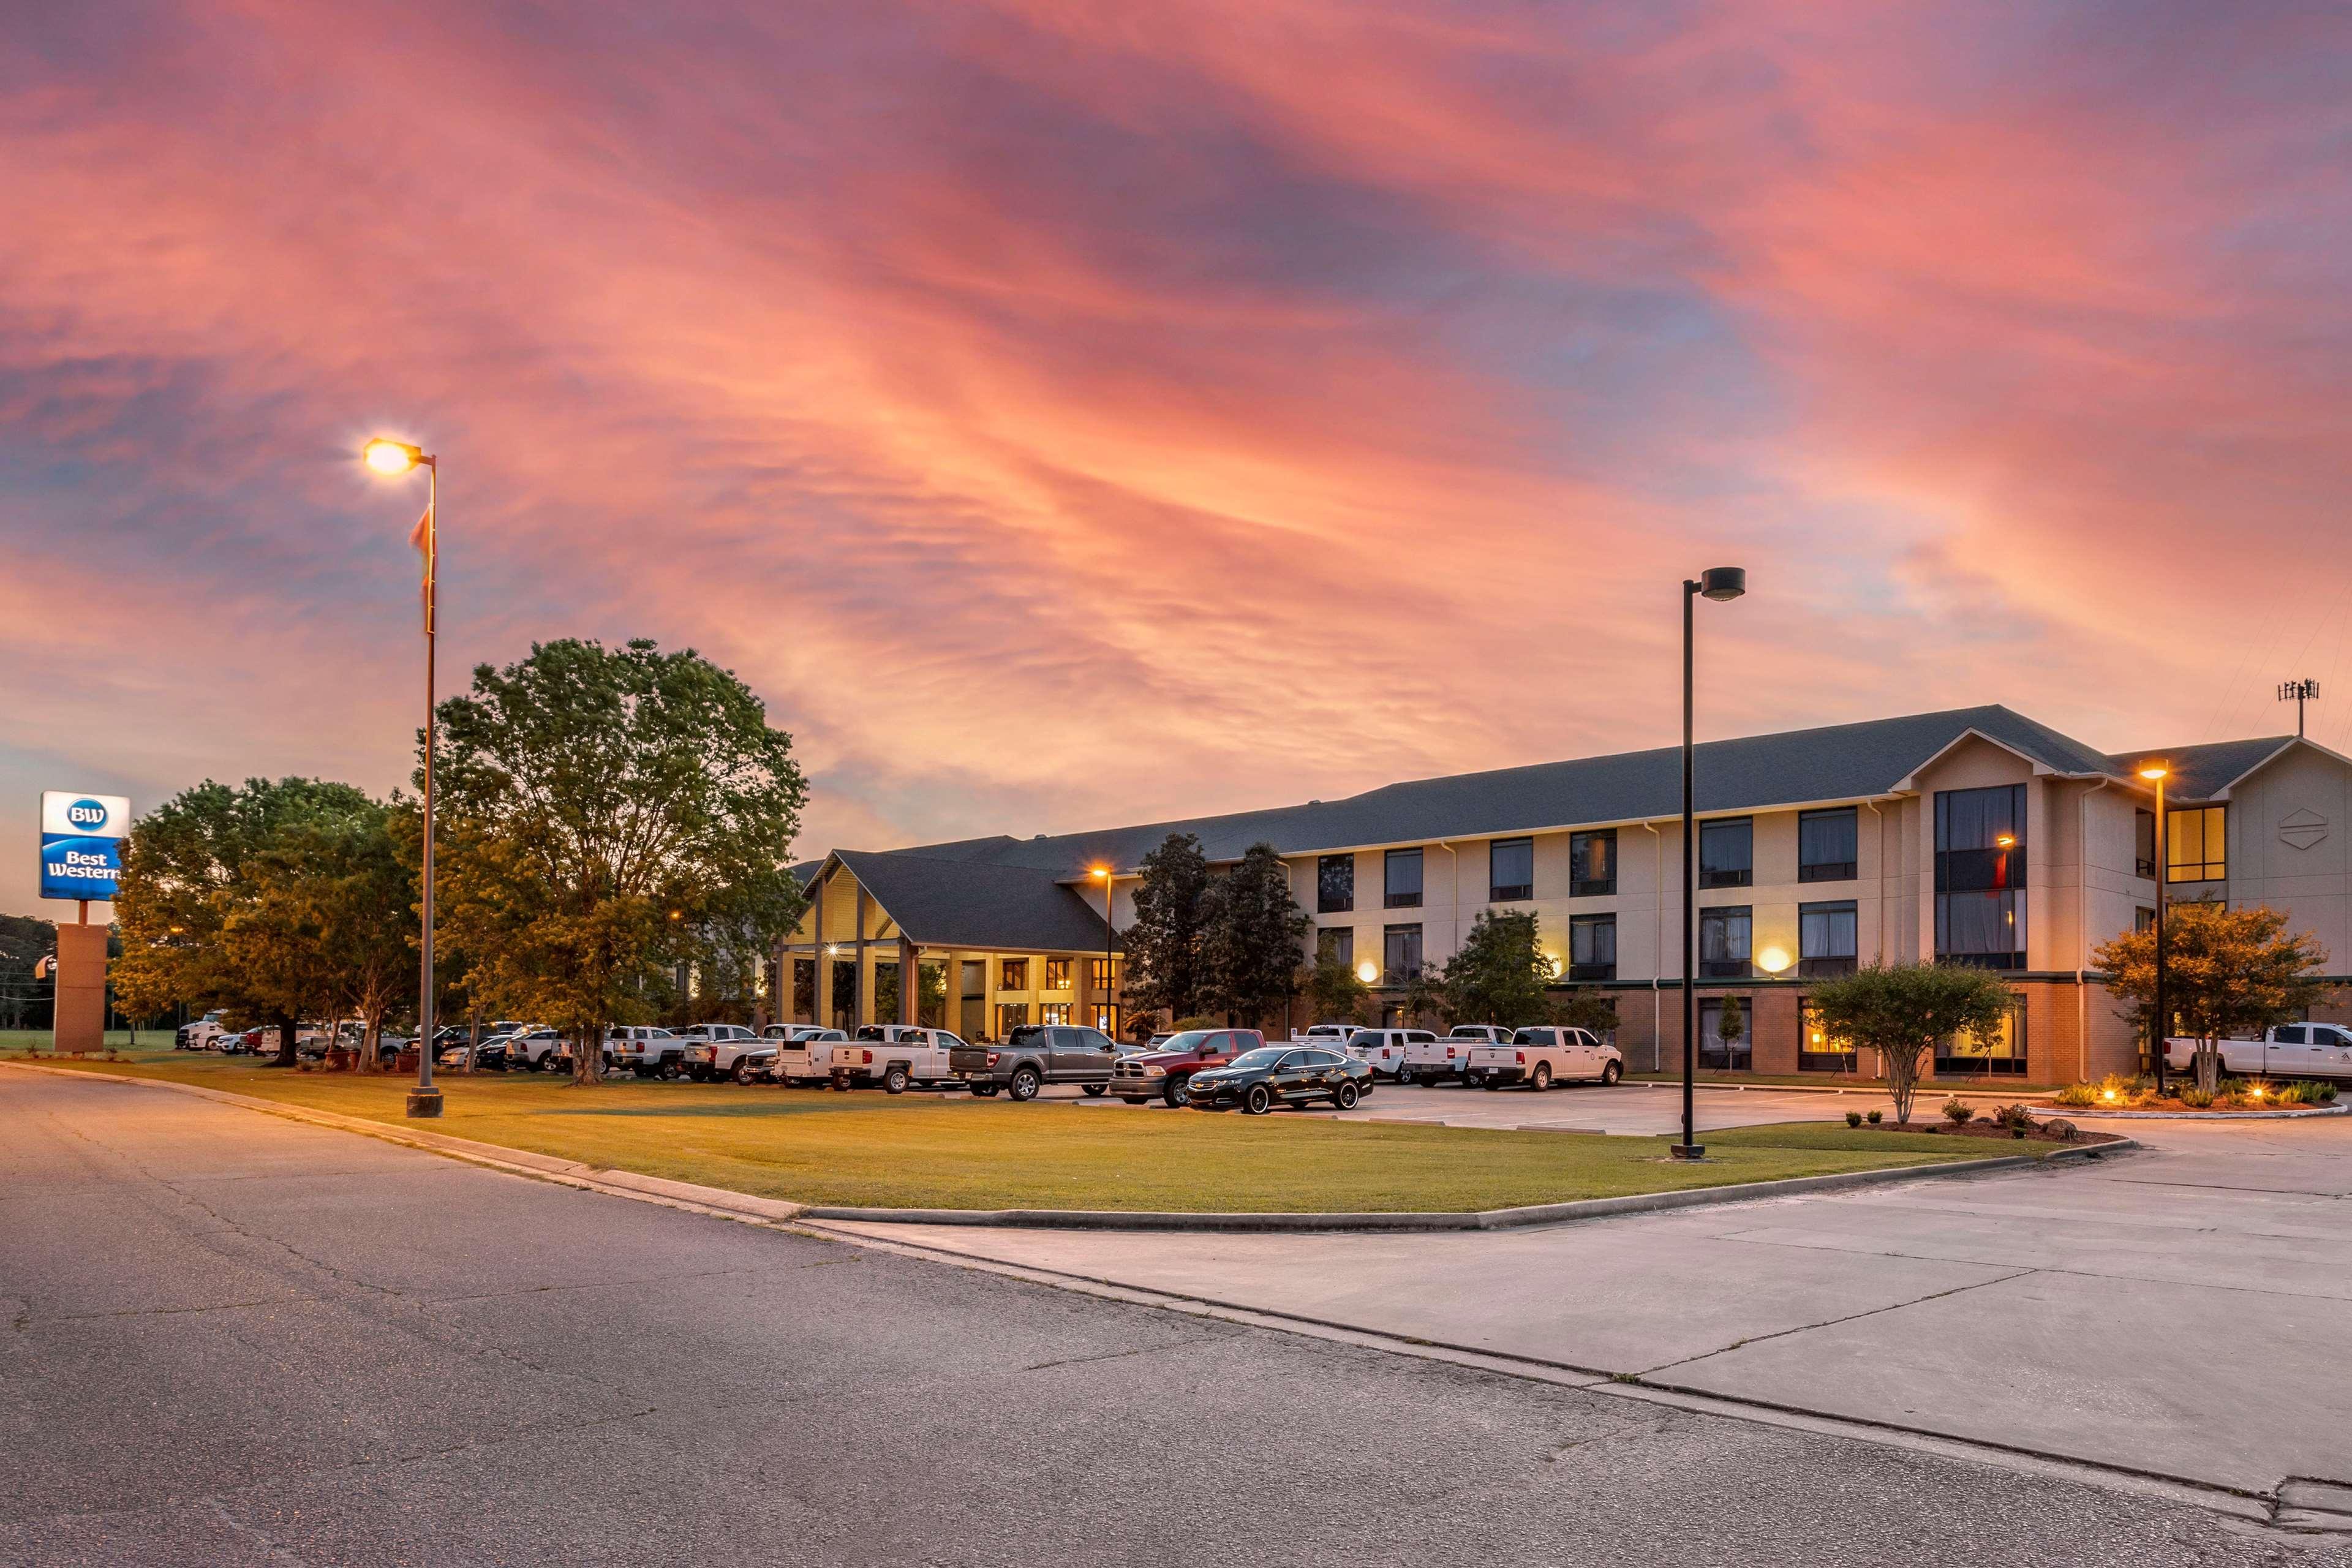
1164	1073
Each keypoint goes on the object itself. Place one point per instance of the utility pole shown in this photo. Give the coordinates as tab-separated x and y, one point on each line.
2298	692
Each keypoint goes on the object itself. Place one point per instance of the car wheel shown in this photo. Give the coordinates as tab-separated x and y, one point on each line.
1612	1073
743	1072
1024	1084
1178	1093
1345	1097
1540	1079
1258	1100
1094	1091
895	1080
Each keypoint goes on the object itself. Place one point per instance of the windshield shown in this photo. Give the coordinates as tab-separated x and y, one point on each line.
1189	1040
1264	1056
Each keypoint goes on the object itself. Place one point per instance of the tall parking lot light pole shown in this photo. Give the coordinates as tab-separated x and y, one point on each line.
1102	874
1719	583
399	457
2155	774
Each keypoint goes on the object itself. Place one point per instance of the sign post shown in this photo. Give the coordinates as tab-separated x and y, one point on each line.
81	854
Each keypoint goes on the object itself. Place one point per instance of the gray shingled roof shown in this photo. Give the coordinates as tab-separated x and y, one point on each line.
1839	761
2199	772
942	901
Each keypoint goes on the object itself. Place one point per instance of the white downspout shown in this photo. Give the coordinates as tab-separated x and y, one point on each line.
2082	932
1658	949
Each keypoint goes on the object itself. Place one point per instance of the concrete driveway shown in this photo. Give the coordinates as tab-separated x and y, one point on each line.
2181	1313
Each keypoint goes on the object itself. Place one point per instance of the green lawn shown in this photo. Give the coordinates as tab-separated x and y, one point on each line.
922	1151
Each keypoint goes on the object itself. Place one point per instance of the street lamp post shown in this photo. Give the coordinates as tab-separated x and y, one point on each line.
399	457
1102	874
1719	583
2155	773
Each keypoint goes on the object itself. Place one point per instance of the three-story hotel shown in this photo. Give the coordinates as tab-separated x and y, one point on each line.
1975	837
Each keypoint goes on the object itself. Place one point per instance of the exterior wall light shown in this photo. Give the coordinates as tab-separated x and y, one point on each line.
1367	971
1774	960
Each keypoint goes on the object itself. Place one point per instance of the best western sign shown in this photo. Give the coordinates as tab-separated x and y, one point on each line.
81	843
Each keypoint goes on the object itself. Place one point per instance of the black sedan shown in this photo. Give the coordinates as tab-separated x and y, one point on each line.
1256	1081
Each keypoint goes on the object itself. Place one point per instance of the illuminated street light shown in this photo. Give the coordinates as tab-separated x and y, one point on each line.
392	458
1721	584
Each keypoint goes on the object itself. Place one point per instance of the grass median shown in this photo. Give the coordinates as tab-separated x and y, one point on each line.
925	1151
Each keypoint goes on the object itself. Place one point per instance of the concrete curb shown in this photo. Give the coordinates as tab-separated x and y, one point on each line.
1875	1091
630	1183
2208	1115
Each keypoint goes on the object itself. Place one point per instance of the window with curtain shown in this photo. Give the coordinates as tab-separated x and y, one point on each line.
1336	944
1335	884
1825	941
1998	1054
1592	863
1980	867
1715	1051
1012	975
1401	952
1723	938
1403	879
1510	870
2195	844
1816	1051
1058	976
1826	843
1727	853
1592	947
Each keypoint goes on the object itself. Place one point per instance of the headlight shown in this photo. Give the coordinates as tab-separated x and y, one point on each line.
1153	1069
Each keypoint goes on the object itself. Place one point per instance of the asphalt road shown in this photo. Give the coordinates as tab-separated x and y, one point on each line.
235	1339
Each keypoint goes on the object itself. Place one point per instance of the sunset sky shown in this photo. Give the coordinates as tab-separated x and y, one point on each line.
1065	412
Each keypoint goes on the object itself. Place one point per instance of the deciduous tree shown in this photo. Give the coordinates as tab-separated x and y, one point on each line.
1252	933
1166	962
1499	973
1336	993
2228	973
611	813
1901	1011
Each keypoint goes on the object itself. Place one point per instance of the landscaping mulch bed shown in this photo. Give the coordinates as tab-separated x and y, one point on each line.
2038	1133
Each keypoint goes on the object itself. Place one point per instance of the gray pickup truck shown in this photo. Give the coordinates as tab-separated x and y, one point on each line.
1035	1055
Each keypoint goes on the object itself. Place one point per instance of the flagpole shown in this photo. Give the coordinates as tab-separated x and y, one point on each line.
424	1099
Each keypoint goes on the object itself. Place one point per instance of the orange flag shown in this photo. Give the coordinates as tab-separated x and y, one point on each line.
421	539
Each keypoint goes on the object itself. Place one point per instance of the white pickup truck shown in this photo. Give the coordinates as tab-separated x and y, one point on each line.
1543	1055
1387	1051
1382	1050
1430	1059
896	1056
711	1049
792	1053
2285	1050
647	1051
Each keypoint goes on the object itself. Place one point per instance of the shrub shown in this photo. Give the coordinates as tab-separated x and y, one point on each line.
2059	1127
1959	1113
2194	1097
1877	1117
2077	1094
2017	1132
1854	1119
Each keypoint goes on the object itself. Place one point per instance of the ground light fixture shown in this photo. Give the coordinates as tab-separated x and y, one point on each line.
1722	585
1102	874
2155	774
393	459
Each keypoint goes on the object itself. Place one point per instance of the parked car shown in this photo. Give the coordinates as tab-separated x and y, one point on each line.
897	1056
1035	1054
644	1050
1432	1058
711	1049
237	1043
792	1053
2285	1050
541	1048
1162	1071
1256	1081
1388	1051
1543	1055
199	1035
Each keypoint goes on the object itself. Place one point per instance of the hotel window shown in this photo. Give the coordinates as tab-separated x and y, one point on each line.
1010	1016
2144	844
1980	864
804	988
1403	884
1510	870
1103	977
2143	919
2195	844
1727	853
1825	845
1012	975
1335	884
1592	947
1336	944
1825	941
2001	1054
1723	936
1816	1051
1058	976
1592	863
1714	1051
1400	953
1053	1013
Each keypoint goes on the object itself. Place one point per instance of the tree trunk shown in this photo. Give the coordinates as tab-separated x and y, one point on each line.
1903	1082
371	1035
588	1057
286	1057
2209	1066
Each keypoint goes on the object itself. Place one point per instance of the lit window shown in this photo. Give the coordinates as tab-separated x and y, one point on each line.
1057	978
2195	844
